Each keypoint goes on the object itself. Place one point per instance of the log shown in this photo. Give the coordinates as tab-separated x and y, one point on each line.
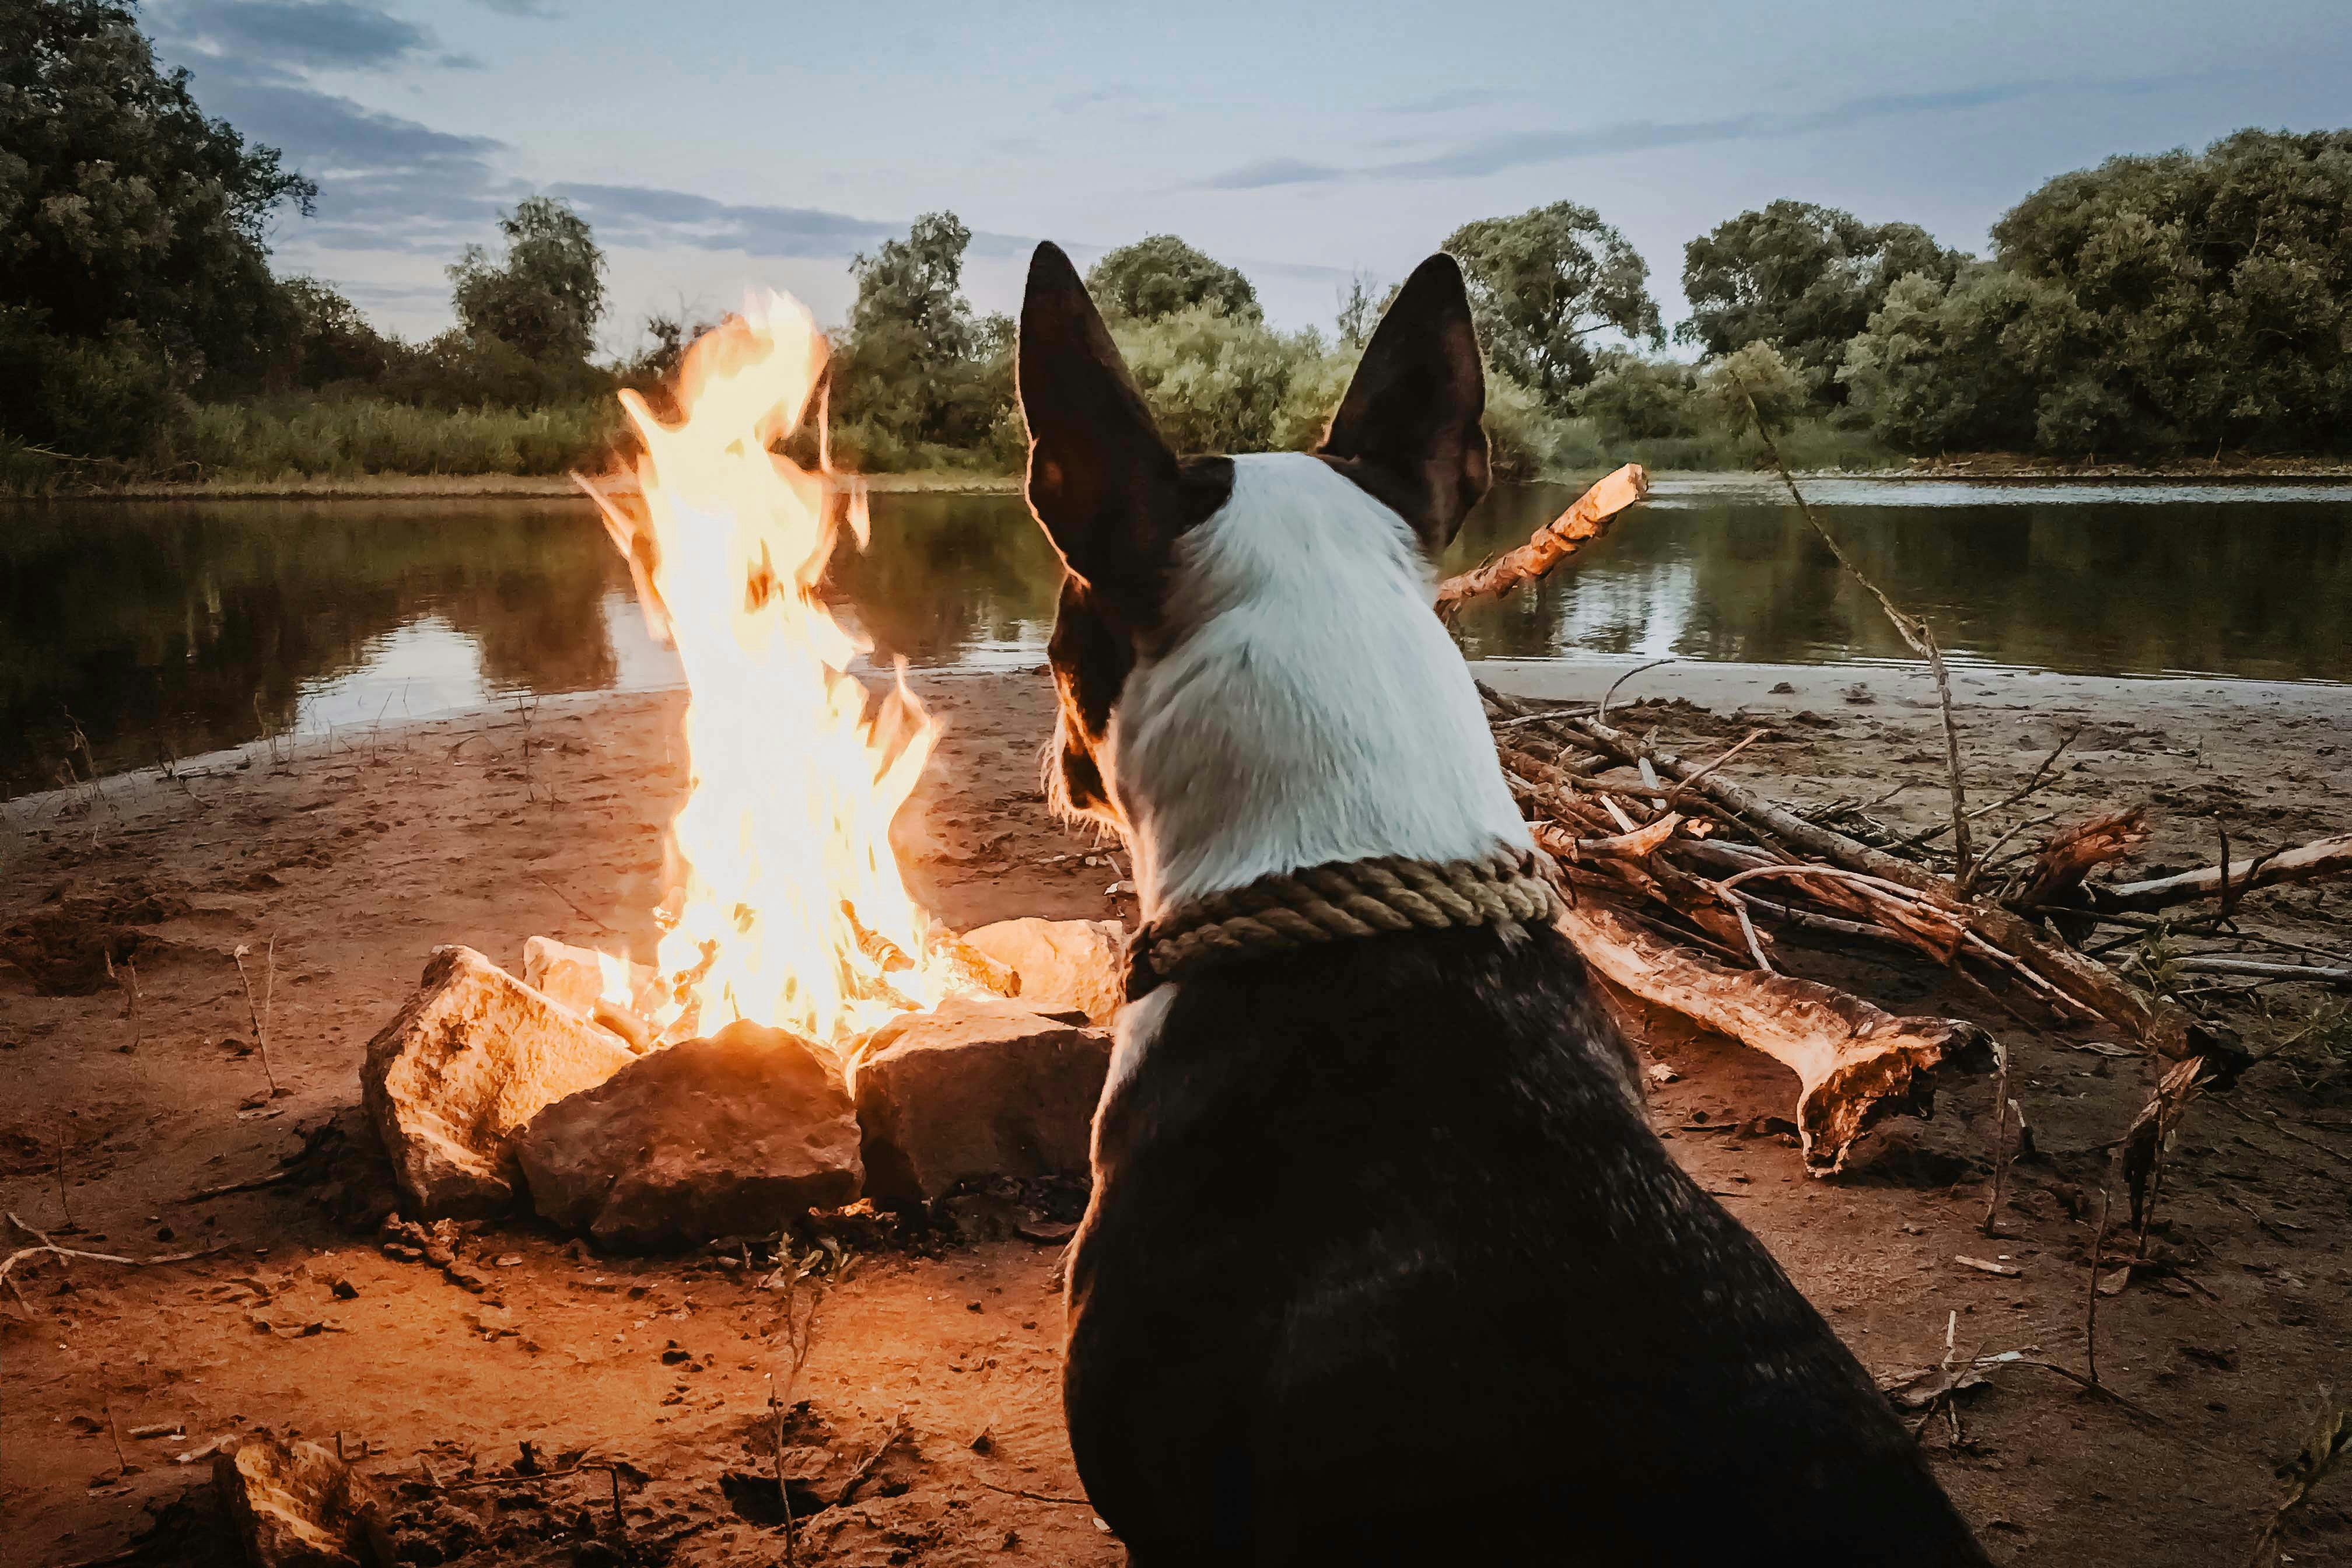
2164	1027
1587	520
2073	853
2335	975
1857	1063
2325	857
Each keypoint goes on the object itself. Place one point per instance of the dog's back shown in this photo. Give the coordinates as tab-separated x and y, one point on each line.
1382	1264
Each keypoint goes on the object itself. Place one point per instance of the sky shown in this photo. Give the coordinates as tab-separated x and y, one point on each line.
718	148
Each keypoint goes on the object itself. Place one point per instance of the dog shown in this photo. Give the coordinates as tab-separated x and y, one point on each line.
1383	1263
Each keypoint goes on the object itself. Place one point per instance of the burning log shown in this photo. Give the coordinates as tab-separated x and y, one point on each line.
1858	1064
1587	520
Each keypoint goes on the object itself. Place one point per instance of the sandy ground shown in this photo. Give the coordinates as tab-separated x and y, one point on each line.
359	857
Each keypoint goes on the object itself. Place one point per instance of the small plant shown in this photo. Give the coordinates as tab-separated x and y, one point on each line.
2326	1451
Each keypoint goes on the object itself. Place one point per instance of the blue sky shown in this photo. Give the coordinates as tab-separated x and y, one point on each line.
717	147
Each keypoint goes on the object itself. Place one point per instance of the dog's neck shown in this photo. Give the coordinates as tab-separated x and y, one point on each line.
1303	705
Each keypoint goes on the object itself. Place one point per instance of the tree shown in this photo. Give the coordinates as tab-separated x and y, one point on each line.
133	228
2150	306
1631	398
918	369
1160	275
1361	310
545	295
331	341
2209	295
1802	277
1544	282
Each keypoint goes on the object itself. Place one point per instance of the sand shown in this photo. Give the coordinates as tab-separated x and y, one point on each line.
360	855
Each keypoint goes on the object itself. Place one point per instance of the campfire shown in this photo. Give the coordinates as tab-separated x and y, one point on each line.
788	908
803	1031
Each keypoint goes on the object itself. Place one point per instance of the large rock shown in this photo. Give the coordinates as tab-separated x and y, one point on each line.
710	1138
472	1058
1073	964
977	1088
296	1505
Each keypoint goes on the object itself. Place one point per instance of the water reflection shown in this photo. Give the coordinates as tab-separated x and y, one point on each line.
176	629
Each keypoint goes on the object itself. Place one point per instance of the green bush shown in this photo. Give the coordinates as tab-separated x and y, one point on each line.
1634	399
110	396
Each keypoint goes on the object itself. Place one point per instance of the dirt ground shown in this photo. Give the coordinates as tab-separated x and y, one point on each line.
358	855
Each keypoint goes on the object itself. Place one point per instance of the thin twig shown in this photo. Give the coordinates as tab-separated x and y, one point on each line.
1039	1497
576	910
1602	714
252	1011
51	1247
1912	630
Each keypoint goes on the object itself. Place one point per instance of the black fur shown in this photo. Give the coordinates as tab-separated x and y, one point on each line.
1383	1266
1409	430
1112	495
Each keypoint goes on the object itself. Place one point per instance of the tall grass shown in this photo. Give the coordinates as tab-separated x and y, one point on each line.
1809	445
344	439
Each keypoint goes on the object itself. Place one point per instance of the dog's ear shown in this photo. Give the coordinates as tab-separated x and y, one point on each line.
1102	483
1409	429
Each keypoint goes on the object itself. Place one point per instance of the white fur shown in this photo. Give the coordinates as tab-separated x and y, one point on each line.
1137	1026
1303	704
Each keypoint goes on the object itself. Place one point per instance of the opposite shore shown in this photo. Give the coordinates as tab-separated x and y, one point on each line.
1988	466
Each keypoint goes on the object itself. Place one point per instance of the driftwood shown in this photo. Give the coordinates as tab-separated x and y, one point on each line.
1857	1062
2078	987
1683	877
2064	858
1587	520
2325	857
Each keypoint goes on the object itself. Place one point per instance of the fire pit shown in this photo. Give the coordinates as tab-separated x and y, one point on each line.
805	1031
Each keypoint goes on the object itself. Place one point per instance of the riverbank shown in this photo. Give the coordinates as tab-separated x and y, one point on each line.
464	487
357	854
1993	467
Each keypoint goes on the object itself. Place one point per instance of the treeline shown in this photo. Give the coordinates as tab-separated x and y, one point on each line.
2187	303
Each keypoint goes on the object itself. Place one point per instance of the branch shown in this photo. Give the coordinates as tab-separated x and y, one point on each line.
1554	542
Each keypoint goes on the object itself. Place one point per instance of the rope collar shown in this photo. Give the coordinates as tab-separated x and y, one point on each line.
1294	909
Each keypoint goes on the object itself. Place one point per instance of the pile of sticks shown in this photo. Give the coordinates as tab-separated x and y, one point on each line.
1686	882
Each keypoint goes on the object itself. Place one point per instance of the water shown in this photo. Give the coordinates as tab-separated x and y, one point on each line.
154	630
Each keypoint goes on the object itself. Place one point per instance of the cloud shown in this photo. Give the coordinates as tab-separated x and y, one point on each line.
1268	172
654	215
520	8
1519	149
310	35
658	215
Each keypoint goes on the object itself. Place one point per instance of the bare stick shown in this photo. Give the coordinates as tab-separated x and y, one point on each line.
1914	631
2091	1305
576	910
1602	712
2164	1027
2322	857
1039	1497
47	1246
1999	1134
857	1477
1585	520
253	1011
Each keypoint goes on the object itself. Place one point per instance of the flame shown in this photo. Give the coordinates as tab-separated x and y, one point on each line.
787	905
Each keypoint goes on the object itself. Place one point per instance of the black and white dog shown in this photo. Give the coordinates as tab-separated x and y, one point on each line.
1383	1263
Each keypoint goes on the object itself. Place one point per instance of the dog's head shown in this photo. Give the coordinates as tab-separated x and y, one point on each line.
1128	513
